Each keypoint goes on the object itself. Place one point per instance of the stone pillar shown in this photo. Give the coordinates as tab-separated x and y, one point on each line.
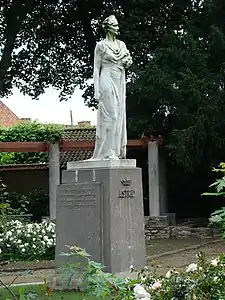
54	177
163	183
153	175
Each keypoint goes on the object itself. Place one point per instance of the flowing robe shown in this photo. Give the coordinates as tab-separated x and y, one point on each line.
110	84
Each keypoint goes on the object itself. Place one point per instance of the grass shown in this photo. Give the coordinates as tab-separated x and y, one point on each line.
4	294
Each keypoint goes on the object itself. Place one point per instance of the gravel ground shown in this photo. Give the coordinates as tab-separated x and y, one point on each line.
185	258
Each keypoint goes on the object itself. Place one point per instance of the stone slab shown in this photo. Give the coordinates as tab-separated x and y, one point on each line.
79	219
105	163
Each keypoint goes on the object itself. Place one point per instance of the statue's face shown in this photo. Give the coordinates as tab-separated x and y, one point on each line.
114	28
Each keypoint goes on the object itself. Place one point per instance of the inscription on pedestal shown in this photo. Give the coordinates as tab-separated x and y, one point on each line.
79	219
76	196
126	193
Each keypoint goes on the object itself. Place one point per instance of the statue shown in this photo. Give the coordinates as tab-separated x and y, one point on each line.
111	58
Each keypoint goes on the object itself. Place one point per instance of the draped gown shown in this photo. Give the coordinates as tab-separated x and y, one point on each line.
111	132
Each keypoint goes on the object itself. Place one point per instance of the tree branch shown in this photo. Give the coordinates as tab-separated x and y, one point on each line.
8	289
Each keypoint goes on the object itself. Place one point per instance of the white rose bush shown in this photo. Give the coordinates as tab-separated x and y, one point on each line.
204	280
20	241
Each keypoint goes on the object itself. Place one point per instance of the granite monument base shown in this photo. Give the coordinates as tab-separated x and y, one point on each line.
100	209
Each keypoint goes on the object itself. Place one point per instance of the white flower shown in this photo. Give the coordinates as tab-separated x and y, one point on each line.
34	246
156	285
192	268
34	239
23	250
19	241
18	231
131	267
215	262
9	233
140	293
169	273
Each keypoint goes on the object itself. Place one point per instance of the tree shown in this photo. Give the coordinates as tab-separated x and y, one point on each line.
176	85
47	43
180	91
51	42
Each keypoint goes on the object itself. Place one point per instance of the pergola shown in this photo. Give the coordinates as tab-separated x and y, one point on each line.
54	148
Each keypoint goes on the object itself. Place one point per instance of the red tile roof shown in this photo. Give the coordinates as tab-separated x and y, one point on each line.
7	117
76	134
23	167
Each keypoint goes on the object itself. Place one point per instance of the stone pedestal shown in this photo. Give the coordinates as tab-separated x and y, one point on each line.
100	208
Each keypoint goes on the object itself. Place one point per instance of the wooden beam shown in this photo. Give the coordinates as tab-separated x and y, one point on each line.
23	147
89	145
76	145
64	145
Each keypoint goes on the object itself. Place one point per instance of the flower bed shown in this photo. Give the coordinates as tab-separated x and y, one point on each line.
27	241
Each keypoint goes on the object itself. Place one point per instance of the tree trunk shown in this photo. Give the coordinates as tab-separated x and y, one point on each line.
14	20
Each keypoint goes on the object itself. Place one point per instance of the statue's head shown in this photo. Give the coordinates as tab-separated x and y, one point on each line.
111	25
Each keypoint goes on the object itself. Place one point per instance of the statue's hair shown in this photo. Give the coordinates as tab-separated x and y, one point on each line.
109	21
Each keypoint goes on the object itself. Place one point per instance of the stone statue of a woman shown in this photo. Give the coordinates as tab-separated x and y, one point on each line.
111	58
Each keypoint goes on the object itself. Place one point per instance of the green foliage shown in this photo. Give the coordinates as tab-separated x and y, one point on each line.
5	208
179	91
219	184
7	158
35	202
218	217
29	132
38	203
92	277
43	293
59	39
3	192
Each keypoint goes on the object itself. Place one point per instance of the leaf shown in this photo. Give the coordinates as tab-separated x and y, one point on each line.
213	194
31	296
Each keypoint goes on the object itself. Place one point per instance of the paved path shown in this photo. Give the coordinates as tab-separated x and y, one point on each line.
174	260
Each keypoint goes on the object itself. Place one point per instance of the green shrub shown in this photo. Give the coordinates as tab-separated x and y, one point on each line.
35	202
38	204
218	217
29	132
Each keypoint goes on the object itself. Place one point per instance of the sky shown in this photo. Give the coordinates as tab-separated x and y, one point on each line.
48	109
